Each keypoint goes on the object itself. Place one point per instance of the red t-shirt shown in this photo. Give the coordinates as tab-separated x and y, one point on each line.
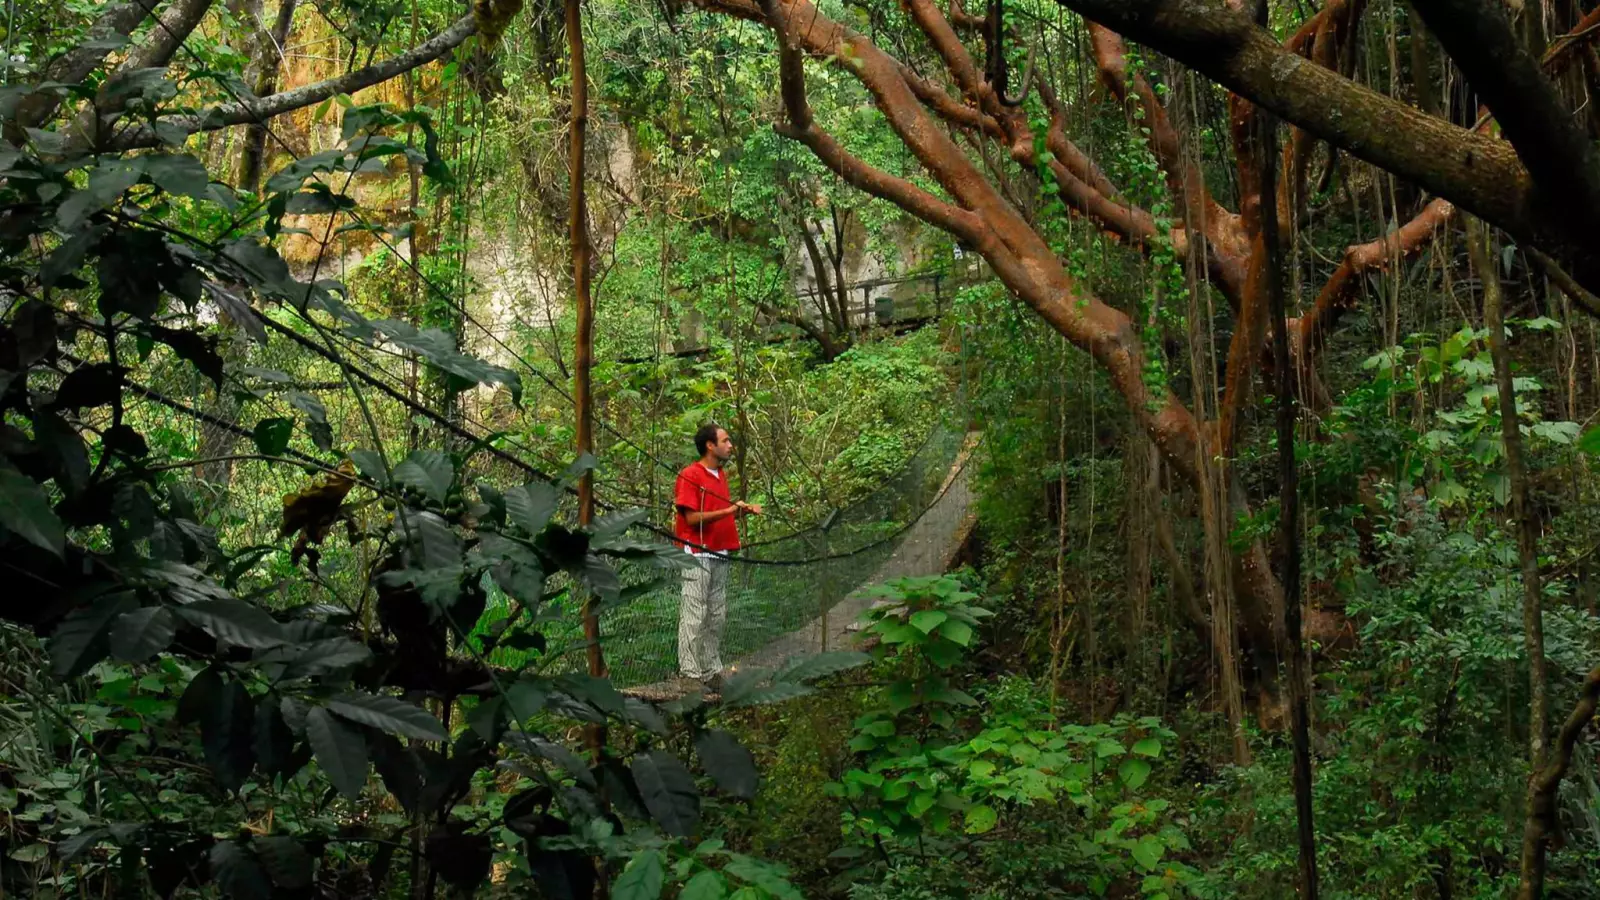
701	490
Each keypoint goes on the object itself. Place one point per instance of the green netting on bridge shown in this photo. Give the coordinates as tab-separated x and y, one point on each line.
778	586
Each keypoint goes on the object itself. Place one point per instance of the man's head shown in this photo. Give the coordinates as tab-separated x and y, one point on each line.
712	440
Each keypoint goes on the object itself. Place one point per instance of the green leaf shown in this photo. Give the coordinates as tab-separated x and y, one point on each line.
1149	746
1590	442
272	435
25	511
707	885
429	472
927	620
389	715
957	631
668	791
316	418
532	505
728	763
236	871
1133	773
821	665
775	693
179	174
434	542
79	642
226	718
1105	747
1147	852
141	634
371	465
235	621
981	819
533	745
340	749
642	879
285	860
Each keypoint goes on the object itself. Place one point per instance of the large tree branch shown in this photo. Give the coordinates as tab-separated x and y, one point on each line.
1563	163
171	29
118	21
264	108
1230	251
1474	171
1338	293
1018	255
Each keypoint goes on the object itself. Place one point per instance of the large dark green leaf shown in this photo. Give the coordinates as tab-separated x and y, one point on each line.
141	634
429	472
598	576
400	770
669	792
728	763
389	715
286	861
80	641
34	326
439	349
107	182
642	879
25	511
235	621
274	742
1590	442
96	384
340	749
316	418
225	733
199	351
179	174
237	872
532	505
319	657
533	745
599	692
371	465
433	542
810	668
272	435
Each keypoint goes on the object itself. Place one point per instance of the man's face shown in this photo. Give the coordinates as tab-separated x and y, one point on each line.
723	448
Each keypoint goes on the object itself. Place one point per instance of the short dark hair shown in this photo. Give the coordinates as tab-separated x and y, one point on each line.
705	437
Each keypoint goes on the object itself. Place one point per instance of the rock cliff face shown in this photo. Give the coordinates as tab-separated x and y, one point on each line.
517	261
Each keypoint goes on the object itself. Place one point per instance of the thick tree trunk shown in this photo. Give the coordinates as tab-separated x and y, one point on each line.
1543	819
979	214
72	67
1527	552
268	56
224	115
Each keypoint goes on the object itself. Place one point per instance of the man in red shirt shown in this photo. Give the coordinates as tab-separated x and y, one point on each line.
706	529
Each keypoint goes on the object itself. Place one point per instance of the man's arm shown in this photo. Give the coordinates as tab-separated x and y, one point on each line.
711	515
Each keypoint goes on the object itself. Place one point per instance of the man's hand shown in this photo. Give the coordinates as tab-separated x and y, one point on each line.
751	509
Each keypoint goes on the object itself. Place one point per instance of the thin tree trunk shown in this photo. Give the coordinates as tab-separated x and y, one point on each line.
1527	546
269	55
583	355
1289	508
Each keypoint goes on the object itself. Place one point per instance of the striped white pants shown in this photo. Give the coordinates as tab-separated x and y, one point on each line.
701	615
